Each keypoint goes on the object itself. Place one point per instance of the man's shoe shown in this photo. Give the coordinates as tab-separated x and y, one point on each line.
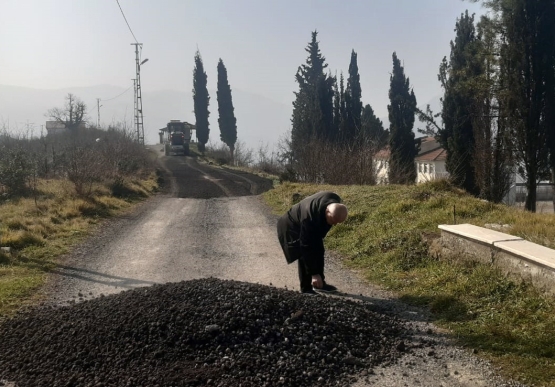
309	292
327	288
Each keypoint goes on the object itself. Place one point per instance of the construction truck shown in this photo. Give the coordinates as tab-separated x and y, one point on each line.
176	137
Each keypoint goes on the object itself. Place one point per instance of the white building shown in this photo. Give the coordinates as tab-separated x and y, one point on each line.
56	127
429	163
381	166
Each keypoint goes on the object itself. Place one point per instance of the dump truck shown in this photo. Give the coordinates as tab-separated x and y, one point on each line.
176	137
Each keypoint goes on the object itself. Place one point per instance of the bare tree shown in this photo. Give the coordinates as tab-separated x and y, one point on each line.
72	115
243	156
323	162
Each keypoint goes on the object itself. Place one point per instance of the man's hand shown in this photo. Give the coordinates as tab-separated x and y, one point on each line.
317	281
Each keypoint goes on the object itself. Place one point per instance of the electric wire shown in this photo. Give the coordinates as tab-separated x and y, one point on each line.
119	95
136	41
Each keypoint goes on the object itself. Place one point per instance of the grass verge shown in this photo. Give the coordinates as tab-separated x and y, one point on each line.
387	237
39	231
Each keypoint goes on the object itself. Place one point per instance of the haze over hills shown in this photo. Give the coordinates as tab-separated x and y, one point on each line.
260	120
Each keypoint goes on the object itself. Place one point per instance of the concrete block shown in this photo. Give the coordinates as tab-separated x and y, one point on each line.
532	252
515	256
481	234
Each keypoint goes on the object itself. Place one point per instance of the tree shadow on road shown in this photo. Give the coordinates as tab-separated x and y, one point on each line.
84	274
99	278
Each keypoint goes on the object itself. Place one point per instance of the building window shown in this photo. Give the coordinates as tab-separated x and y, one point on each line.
419	167
431	168
425	168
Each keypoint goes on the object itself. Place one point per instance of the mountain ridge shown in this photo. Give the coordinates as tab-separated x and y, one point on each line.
260	120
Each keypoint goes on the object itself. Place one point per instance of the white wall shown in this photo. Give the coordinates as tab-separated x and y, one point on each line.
430	170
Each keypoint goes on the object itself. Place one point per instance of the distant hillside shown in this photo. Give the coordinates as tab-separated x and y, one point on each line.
259	120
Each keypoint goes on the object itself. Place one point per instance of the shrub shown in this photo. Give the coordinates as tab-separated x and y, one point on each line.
16	169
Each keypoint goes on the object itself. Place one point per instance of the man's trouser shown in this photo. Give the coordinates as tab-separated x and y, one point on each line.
305	277
292	251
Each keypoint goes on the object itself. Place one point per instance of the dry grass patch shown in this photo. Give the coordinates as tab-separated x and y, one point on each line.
40	229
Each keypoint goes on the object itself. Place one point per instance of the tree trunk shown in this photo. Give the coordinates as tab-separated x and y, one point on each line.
531	186
553	187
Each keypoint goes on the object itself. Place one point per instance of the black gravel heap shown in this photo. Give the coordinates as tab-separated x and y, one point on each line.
196	333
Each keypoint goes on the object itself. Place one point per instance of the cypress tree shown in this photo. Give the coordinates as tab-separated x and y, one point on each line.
353	102
313	105
549	119
325	102
343	122
528	59
527	74
336	106
402	110
372	129
492	159
226	120
458	75
201	101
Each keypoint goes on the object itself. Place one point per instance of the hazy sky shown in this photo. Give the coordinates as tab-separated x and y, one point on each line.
53	44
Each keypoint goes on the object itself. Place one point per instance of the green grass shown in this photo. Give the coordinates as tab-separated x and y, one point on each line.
389	237
38	233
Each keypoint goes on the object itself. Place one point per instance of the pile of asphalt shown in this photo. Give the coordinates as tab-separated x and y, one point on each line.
196	333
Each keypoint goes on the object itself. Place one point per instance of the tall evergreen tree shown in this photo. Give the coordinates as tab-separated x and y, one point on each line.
313	105
337	98
492	159
457	75
402	110
353	102
549	118
343	122
372	129
325	102
526	71
475	130
226	120
339	108
201	101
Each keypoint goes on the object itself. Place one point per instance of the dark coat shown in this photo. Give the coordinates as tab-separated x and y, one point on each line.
302	229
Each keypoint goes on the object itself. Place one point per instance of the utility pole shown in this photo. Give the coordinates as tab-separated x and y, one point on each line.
138	97
135	102
98	106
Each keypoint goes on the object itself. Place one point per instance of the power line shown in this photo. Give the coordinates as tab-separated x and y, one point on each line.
119	95
117	1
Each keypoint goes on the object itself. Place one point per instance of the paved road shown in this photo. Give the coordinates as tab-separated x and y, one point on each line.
212	222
